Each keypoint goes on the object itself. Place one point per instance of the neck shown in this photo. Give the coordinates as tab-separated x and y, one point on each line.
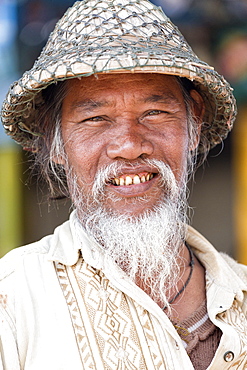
186	282
191	294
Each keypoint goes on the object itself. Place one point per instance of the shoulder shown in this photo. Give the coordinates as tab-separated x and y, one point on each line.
238	268
12	259
61	246
220	268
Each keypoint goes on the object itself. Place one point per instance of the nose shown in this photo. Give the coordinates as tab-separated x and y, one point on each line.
129	144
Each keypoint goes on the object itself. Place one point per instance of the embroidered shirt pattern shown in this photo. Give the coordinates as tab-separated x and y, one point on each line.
110	322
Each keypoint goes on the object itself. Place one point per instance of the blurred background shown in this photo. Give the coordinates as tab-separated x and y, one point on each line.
217	31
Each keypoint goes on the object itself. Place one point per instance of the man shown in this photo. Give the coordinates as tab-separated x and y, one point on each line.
118	110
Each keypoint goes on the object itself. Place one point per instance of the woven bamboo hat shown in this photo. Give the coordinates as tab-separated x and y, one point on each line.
100	36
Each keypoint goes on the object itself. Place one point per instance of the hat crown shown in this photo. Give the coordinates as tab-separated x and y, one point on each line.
99	27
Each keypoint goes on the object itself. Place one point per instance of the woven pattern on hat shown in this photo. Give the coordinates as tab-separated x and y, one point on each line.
99	36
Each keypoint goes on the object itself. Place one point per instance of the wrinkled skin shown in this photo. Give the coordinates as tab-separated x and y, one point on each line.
126	117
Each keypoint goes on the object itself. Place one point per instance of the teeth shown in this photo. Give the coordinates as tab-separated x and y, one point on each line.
128	180
136	180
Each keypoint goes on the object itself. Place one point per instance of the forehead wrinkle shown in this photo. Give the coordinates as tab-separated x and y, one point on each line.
92	104
89	104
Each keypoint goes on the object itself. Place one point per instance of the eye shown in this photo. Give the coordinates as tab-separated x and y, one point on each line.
155	112
93	121
156	116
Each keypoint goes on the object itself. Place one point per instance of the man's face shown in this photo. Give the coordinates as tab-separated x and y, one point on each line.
125	118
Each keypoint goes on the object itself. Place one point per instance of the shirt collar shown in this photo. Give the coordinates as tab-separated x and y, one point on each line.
65	244
223	283
70	240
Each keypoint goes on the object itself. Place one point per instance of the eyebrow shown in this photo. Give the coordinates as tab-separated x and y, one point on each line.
88	104
162	98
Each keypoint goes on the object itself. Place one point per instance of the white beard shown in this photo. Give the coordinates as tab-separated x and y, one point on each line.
145	247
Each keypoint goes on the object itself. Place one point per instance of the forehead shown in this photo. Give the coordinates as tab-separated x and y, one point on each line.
105	86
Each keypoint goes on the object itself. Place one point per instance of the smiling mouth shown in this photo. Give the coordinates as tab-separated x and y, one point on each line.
132	179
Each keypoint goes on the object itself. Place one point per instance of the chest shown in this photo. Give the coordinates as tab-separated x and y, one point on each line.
86	322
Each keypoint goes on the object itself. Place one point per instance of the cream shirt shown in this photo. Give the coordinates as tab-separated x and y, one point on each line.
60	311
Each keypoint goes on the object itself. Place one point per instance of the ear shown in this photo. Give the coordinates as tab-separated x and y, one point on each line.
55	158
58	160
198	110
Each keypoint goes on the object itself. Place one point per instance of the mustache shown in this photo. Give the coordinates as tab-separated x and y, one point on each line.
105	175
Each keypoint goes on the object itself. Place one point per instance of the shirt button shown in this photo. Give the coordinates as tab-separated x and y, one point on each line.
228	356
